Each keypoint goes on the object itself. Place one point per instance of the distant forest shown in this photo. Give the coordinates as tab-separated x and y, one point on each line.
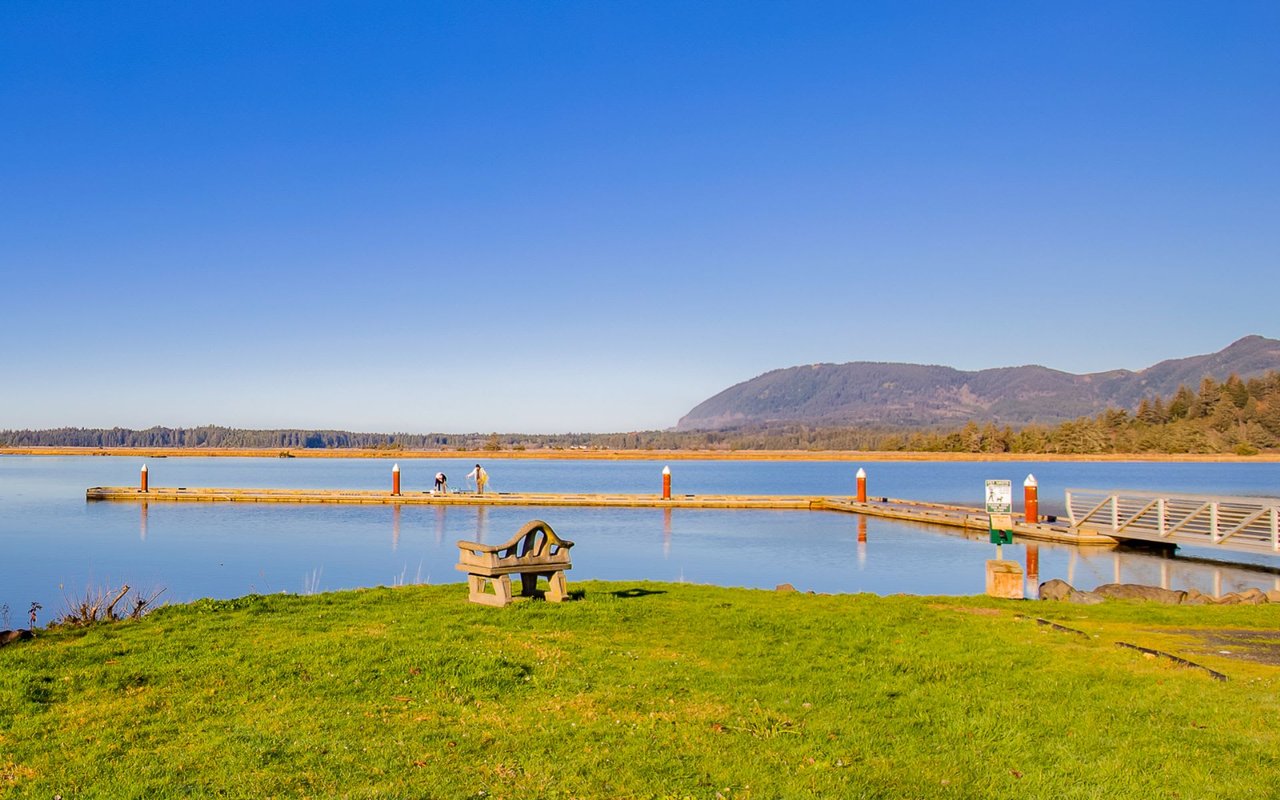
1234	416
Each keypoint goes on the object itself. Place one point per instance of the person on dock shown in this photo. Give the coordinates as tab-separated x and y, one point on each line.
442	483
480	477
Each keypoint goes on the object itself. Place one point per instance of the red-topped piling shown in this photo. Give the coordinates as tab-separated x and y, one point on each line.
143	479
395	480
1031	500
666	483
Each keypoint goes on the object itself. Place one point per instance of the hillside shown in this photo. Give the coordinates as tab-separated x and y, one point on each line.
886	394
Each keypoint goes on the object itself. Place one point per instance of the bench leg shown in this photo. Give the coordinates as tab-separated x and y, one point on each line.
529	583
557	589
501	590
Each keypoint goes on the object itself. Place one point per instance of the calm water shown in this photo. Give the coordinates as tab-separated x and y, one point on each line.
56	545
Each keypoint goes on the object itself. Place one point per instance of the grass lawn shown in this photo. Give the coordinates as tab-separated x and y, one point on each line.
645	690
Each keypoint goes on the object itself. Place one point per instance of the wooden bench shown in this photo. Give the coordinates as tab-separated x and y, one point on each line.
535	551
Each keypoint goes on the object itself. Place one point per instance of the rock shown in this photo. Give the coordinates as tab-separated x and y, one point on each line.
1254	596
1273	596
7	637
1135	591
1085	598
1195	597
1055	590
1249	597
784	587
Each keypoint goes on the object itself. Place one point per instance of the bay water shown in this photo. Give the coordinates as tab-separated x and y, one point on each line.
55	547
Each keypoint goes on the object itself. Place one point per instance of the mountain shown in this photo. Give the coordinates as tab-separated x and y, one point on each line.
881	394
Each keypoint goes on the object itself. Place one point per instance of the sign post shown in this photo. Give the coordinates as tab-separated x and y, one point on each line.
1004	578
1000	513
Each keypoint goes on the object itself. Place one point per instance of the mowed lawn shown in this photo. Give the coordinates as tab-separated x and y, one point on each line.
645	690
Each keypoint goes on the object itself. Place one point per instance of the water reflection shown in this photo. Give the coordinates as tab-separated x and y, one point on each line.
1089	568
226	550
395	527
1032	589
862	543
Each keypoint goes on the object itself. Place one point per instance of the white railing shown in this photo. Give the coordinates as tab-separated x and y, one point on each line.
1249	524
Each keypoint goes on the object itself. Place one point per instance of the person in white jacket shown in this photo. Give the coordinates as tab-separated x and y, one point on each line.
480	477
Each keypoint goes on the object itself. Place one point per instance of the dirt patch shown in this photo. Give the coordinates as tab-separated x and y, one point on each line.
1241	644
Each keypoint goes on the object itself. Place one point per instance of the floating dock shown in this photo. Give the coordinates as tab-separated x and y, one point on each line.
974	519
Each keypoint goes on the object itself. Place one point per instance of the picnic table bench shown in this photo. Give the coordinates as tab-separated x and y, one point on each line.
534	552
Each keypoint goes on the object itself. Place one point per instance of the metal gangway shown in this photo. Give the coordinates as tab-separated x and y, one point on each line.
1246	524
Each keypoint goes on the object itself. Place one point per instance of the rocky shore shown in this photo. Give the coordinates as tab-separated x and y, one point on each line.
1061	590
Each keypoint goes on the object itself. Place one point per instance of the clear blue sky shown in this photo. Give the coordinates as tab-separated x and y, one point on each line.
591	216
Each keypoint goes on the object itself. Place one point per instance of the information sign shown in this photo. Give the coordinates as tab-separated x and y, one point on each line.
1000	510
999	497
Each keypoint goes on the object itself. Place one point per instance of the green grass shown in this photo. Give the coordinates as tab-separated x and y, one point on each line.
639	690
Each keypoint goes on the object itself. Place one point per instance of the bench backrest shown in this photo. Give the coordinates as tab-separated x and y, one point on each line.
534	545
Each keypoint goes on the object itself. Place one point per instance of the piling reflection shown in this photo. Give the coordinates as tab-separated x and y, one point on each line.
666	533
142	521
482	523
440	512
395	527
862	543
1032	590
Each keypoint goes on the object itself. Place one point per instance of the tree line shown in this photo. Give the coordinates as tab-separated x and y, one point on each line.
1233	416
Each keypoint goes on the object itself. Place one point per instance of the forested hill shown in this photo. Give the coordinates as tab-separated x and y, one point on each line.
914	395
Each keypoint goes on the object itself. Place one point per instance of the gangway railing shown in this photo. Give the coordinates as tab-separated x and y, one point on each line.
1247	524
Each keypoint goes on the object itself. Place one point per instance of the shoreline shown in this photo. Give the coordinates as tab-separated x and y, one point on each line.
633	455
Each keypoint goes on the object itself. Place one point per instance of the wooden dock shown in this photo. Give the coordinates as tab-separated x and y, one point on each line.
967	518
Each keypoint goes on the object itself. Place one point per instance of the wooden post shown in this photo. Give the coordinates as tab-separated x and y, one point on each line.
666	483
144	478
395	480
862	485
1031	500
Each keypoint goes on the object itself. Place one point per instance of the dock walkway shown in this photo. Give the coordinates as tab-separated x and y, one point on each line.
907	510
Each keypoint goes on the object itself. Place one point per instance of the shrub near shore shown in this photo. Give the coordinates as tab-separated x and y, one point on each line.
641	690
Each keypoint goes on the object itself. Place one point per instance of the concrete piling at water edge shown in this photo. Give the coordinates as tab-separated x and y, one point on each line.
967	518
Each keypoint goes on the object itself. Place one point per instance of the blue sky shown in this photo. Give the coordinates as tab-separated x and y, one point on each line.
592	216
